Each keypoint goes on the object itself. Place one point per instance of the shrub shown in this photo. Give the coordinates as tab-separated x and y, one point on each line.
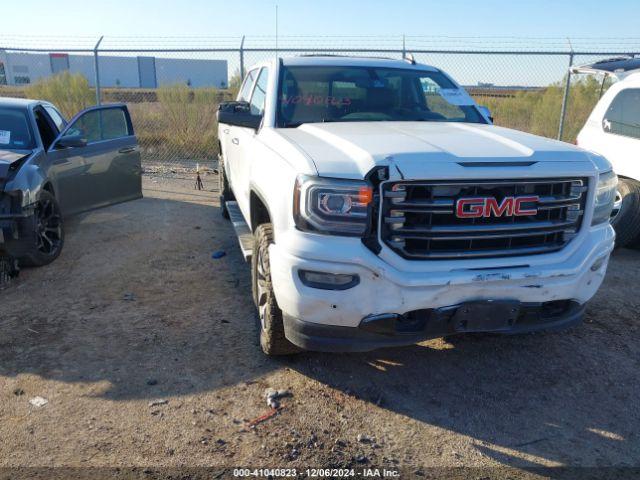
584	96
234	84
538	112
181	125
69	92
512	112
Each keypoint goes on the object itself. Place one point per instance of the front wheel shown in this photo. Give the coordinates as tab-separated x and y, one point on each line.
45	235
625	218
272	339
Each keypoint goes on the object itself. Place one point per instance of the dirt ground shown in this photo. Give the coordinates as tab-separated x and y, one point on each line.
136	311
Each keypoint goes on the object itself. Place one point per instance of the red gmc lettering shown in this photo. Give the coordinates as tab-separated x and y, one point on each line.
492	207
476	207
518	210
489	207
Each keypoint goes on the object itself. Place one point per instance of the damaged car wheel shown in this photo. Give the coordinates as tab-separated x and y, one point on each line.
45	237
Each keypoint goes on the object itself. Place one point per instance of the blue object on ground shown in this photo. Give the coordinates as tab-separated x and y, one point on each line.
218	254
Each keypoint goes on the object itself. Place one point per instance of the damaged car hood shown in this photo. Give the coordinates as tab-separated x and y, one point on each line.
9	157
352	149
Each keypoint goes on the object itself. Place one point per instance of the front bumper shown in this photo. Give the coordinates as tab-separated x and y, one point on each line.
392	331
13	228
568	275
8	232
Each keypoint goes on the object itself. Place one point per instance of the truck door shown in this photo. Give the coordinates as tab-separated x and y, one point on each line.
229	141
245	139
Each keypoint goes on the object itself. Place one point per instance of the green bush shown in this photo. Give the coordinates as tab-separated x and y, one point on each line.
584	96
69	92
181	125
235	83
538	112
512	112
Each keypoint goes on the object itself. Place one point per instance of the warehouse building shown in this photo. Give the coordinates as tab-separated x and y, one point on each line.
21	68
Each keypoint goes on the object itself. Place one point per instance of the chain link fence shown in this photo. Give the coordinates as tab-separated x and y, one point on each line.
172	85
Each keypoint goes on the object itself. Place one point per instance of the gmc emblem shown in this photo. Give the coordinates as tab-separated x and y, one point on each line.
489	207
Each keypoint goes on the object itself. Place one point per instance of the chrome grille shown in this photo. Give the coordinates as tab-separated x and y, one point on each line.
419	218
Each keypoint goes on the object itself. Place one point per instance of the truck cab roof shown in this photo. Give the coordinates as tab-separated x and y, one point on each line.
348	61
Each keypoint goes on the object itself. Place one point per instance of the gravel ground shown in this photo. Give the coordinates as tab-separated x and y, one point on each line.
145	348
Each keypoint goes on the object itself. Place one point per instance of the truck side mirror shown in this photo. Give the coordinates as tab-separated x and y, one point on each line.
238	114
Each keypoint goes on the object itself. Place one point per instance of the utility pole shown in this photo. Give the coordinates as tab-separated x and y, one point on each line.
404	47
241	59
565	97
96	69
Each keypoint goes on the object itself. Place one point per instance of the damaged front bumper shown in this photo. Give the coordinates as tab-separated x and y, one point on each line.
397	306
393	330
15	221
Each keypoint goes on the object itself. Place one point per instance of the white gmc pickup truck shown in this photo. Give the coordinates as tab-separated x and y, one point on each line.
380	207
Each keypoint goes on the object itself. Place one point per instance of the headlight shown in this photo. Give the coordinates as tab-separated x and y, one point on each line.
332	206
605	196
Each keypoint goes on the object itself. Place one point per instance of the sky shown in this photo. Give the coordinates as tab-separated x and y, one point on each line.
541	25
536	18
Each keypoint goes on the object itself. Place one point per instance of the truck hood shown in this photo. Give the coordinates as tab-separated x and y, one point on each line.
352	149
9	157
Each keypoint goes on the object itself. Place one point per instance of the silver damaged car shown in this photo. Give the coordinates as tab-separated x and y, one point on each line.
51	168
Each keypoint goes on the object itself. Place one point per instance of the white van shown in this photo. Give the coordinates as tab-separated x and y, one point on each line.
613	130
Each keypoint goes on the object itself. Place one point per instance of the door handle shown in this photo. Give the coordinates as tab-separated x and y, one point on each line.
226	130
235	141
127	150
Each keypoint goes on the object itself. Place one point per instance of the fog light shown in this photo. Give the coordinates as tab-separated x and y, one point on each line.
598	263
328	281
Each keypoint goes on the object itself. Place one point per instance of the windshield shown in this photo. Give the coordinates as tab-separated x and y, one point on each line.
15	132
365	94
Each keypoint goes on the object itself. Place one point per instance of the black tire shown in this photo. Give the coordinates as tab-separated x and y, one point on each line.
226	194
627	221
44	237
272	339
